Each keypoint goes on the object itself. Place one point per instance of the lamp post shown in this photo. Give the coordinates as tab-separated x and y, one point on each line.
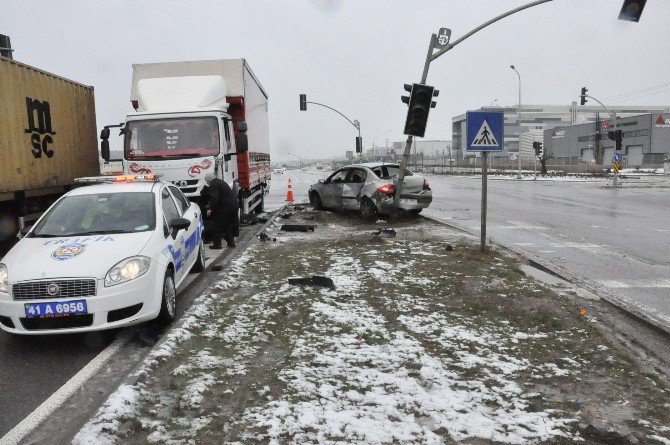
493	101
299	159
518	176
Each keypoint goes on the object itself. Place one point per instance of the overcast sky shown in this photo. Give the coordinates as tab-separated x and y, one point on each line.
353	55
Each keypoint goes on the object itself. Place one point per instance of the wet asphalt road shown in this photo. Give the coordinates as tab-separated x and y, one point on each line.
616	238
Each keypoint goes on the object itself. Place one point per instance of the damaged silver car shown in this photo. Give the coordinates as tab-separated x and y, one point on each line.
370	189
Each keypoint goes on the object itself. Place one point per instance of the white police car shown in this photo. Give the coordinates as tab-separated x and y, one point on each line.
103	256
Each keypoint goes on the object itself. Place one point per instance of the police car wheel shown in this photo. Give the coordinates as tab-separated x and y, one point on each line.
168	300
199	265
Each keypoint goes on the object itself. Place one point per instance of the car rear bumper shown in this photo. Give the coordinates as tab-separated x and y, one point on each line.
407	202
113	307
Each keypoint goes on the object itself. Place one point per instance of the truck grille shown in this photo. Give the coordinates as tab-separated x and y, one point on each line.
50	289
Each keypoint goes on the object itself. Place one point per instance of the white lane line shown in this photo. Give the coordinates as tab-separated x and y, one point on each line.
32	420
635	283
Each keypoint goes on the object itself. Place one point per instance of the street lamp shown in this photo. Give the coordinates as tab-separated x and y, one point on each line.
493	101
299	159
518	176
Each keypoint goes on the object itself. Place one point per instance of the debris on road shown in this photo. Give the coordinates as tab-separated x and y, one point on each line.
298	227
265	237
385	233
314	280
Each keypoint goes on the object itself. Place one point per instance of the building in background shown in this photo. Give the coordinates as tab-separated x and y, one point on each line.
541	117
646	142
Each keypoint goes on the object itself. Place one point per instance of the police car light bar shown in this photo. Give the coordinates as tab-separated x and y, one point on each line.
119	178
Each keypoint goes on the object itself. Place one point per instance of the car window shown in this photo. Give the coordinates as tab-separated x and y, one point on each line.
169	207
389	171
339	176
99	213
184	203
357	176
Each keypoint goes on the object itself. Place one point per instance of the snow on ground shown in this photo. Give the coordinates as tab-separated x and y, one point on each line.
379	359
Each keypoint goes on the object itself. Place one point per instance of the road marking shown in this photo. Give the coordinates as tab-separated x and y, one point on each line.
519	225
634	283
34	419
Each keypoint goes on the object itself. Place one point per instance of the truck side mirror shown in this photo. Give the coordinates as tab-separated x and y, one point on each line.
104	149
242	126
104	134
242	143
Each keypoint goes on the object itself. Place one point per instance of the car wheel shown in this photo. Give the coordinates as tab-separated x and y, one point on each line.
415	212
168	300
368	210
315	200
199	265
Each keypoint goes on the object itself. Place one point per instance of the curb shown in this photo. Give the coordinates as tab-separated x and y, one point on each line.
633	309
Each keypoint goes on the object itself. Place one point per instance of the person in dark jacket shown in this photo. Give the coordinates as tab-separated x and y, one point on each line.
222	210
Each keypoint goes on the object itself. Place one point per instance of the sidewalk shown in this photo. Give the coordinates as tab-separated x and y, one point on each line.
423	340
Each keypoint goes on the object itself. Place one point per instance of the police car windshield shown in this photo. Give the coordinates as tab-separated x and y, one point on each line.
94	214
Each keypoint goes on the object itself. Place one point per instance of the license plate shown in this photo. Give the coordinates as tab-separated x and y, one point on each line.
56	309
407	201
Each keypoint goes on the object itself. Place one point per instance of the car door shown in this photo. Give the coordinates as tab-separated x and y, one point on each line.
351	189
332	189
191	212
176	242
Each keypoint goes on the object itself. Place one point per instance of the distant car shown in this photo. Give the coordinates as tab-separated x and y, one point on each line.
280	170
103	256
369	189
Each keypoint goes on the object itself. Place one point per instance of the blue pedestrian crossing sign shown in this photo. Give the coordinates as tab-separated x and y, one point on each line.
485	131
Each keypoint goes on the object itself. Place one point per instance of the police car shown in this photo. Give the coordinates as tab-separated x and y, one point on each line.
105	255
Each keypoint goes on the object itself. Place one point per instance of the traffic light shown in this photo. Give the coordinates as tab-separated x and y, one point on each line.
632	10
617	137
303	102
359	144
420	103
405	99
538	148
583	95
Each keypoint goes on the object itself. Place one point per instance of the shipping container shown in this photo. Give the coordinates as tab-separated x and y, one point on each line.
47	138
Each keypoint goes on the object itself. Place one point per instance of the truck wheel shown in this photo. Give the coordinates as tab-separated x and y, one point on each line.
199	265
368	210
168	300
315	200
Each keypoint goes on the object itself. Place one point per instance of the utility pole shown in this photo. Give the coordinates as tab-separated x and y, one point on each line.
443	44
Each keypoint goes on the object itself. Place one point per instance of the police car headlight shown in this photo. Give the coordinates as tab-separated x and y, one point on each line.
4	282
127	270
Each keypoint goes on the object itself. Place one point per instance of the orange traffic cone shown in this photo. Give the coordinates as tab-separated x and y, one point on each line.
289	193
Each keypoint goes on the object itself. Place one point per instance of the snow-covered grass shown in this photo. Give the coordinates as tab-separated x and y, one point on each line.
417	343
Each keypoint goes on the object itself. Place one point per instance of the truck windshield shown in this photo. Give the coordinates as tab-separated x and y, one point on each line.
99	213
172	138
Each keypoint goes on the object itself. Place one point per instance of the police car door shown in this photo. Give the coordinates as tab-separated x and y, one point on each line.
190	211
175	240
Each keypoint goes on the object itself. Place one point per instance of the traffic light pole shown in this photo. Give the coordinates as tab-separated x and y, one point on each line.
615	179
355	123
432	56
